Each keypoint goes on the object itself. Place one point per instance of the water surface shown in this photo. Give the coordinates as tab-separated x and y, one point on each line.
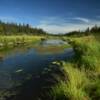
20	66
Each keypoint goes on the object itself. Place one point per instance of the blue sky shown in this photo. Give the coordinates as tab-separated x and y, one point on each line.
54	16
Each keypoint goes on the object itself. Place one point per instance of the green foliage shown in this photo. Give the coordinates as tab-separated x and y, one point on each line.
15	29
87	53
14	41
93	89
94	30
83	74
74	87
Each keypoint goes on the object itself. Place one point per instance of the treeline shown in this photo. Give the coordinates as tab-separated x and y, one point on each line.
19	29
88	31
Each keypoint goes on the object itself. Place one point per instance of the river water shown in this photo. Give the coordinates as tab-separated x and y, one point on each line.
24	68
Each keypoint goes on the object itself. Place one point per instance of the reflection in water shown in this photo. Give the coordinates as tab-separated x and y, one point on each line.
48	50
19	67
53	42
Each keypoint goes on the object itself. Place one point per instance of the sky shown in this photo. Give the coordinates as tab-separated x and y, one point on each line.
54	16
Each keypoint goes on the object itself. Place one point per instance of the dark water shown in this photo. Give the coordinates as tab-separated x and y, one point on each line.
24	69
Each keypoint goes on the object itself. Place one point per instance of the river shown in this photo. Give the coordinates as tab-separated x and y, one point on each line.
24	70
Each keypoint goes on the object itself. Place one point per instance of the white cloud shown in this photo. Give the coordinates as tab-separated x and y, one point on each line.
54	21
82	19
64	28
59	25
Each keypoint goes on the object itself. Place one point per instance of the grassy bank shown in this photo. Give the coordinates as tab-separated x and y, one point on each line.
13	41
82	75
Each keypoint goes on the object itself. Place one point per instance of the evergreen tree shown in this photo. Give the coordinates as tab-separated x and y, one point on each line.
15	29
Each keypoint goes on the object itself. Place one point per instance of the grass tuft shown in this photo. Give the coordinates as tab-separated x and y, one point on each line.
74	87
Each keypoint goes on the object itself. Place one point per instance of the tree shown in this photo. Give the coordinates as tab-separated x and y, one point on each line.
14	29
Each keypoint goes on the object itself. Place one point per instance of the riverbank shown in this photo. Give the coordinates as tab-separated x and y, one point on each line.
14	41
10	42
82	74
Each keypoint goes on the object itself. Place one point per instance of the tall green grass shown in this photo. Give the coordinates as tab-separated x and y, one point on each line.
88	53
73	88
19	38
13	41
83	74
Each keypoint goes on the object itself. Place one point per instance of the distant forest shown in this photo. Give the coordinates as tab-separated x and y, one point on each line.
26	29
19	29
88	31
